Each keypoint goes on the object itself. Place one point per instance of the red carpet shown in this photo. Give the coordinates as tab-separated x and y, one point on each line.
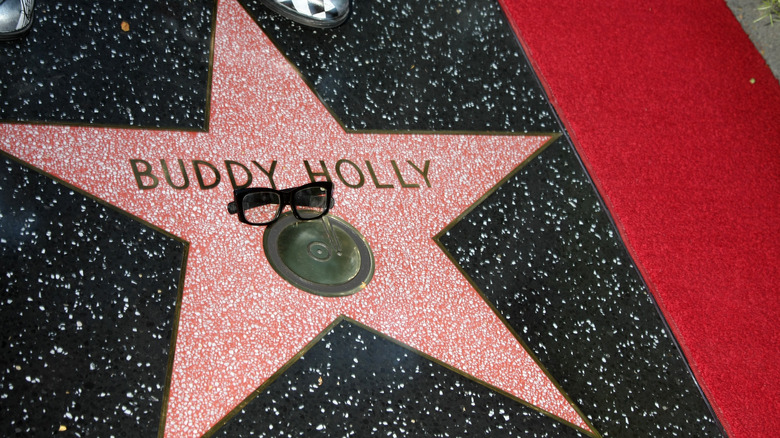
685	149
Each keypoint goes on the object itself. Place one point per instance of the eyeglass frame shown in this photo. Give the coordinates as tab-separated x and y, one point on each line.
286	197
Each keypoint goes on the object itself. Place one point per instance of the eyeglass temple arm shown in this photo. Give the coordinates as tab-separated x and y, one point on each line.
334	241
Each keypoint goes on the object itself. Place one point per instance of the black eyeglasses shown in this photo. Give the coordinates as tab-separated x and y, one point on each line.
263	206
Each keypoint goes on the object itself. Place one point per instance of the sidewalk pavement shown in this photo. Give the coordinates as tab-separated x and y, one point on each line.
765	37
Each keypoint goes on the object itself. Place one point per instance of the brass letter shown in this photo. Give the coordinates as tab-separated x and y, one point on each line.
229	166
423	172
268	173
312	174
401	178
168	175
373	177
196	164
147	173
341	177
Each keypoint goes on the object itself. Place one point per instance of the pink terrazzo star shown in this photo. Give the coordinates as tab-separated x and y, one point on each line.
239	321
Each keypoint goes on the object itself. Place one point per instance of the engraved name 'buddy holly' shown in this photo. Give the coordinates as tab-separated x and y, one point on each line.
207	175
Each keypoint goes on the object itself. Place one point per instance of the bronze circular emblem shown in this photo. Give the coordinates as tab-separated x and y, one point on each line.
327	257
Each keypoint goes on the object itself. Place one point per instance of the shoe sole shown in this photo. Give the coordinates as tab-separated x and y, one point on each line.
302	19
8	36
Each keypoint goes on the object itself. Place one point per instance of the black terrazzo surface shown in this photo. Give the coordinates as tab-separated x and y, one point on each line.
355	383
89	294
78	65
544	252
86	315
416	66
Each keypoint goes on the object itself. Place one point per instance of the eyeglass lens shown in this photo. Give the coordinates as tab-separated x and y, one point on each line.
310	202
260	207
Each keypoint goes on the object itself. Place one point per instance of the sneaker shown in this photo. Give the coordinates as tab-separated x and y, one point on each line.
314	13
15	18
